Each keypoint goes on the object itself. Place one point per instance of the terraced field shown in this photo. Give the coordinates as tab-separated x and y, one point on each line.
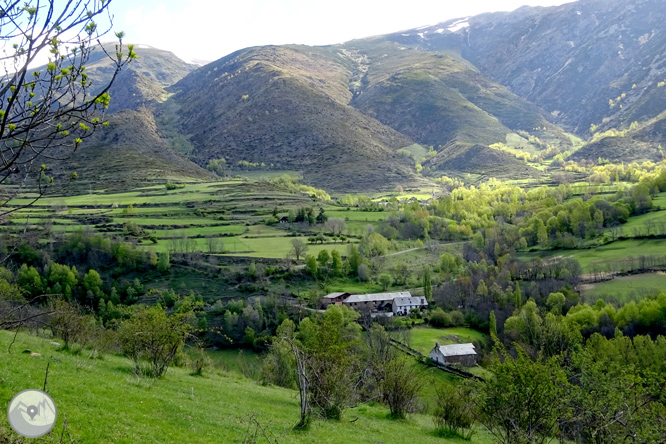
234	212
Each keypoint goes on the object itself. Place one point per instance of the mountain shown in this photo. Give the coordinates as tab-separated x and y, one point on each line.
361	116
133	150
143	81
288	107
570	60
340	114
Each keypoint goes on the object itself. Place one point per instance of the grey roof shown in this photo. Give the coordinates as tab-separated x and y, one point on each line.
410	301
377	297
333	295
457	349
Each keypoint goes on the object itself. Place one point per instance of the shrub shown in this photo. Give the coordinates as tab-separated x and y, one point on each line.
440	319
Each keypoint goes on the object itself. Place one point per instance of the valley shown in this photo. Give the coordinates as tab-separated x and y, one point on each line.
389	239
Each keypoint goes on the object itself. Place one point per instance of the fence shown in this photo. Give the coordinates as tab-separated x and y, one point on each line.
423	359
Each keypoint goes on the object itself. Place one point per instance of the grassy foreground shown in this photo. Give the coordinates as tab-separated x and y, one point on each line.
104	402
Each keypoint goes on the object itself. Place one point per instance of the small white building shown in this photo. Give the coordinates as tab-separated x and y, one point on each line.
463	354
402	305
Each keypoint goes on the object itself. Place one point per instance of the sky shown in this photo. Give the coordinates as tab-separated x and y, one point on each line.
209	29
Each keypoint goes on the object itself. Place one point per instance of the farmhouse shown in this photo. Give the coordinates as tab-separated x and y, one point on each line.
374	301
463	354
284	219
402	305
334	298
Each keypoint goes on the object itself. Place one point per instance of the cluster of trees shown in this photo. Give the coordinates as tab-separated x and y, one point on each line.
84	248
534	326
87	288
609	390
293	183
335	368
307	215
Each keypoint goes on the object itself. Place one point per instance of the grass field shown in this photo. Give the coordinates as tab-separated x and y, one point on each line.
105	403
626	288
605	253
234	210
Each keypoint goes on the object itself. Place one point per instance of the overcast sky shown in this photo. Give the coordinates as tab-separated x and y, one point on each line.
210	29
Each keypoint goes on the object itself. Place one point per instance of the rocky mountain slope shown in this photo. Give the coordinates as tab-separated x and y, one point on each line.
570	60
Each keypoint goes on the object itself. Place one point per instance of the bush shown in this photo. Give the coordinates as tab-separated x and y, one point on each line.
457	318
200	363
439	318
454	412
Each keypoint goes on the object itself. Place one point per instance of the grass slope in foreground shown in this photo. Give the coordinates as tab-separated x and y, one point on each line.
105	403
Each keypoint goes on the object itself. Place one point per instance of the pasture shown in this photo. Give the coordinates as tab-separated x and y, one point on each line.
600	256
233	211
212	408
423	339
626	288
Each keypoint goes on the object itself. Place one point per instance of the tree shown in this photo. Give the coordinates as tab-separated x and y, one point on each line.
93	284
427	285
336	225
333	369
525	400
298	247
311	264
322	259
386	280
217	166
163	263
454	411
363	273
493	324
321	217
153	335
45	114
336	263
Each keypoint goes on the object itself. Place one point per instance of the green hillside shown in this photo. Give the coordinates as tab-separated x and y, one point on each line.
104	402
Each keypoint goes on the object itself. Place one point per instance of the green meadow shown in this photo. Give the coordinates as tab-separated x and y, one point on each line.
235	211
104	402
626	288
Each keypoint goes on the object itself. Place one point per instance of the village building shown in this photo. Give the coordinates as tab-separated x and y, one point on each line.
284	220
462	354
374	301
403	305
334	298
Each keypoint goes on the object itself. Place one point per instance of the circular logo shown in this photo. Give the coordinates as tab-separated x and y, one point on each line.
32	413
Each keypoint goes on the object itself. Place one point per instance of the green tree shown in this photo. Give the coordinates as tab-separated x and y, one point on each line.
152	335
336	263
311	264
30	280
217	166
321	217
163	262
493	325
427	285
329	343
354	258
386	280
93	284
323	258
525	400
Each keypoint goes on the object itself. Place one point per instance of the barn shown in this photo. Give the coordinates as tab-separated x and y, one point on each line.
462	354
